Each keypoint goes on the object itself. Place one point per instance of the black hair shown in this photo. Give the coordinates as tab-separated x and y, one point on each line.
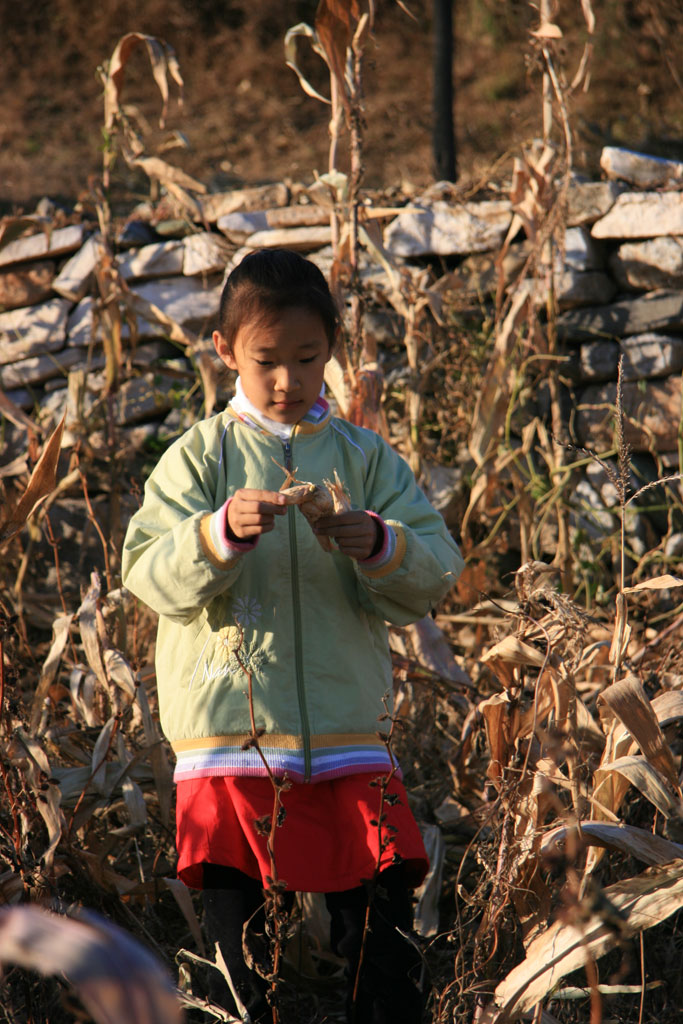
268	281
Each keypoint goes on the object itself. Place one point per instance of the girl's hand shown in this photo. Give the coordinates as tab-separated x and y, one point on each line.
356	533
252	512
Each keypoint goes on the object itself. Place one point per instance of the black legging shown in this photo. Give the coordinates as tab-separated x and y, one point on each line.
390	990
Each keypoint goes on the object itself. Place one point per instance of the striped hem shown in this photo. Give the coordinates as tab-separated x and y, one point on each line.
331	757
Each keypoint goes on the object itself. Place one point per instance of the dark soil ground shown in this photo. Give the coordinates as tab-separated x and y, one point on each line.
246	119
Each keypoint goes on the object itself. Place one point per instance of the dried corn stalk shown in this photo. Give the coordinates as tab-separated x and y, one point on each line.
315	501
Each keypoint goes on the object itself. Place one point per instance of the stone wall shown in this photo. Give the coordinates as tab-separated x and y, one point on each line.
619	287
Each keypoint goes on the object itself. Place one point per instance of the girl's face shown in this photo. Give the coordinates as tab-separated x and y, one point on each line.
281	364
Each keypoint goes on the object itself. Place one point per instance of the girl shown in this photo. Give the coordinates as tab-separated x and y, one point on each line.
258	618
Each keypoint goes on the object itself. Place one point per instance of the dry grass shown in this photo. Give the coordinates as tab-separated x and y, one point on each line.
555	783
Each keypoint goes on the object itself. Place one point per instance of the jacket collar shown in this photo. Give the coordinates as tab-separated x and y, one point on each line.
315	419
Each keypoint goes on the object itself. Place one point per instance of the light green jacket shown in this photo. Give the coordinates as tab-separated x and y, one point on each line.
282	628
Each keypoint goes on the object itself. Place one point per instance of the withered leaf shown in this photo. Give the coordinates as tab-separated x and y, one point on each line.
335	25
163	60
41	484
642	902
118	980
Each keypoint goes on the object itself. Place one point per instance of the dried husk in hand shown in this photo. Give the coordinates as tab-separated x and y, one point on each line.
316	501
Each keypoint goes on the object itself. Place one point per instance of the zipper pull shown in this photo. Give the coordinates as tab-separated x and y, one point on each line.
287	445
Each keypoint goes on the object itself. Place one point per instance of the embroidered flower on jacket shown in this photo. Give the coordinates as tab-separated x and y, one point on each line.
250	659
246	610
231	638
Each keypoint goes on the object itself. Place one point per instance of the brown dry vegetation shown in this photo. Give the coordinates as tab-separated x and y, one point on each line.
551	760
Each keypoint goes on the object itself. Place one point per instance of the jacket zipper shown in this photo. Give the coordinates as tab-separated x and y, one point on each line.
298	640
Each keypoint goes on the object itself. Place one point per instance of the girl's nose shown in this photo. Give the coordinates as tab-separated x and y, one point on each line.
286	379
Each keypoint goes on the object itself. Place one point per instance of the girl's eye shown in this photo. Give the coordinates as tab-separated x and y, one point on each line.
308	359
263	362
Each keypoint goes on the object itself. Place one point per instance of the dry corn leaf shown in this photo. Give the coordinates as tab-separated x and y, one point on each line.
493	400
14	414
609	788
17	467
99	757
582	75
632	841
531	188
434	652
553	694
479	488
47	795
209	377
41	484
629	702
302	30
622	632
135	802
208	370
132	794
104	875
73	780
645	777
501	719
159	170
510	652
668	707
428	896
530	895
120	672
588	14
665	582
548	30
589	730
337	381
641	902
161	767
163	61
116	978
336	24
87	620
11	888
60	635
528	890
153	313
182	896
12	228
545	701
82	686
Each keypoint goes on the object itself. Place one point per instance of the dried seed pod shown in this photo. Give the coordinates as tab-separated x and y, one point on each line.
315	501
339	494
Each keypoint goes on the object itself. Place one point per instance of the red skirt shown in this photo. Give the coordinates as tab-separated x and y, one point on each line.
329	839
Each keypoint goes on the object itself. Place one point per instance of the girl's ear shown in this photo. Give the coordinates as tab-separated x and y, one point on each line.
223	351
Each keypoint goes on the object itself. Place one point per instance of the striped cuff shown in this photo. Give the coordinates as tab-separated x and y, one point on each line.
220	549
391	555
387	549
